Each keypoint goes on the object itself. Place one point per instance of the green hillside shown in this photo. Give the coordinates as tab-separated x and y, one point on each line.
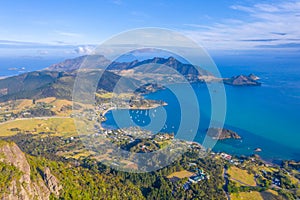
41	84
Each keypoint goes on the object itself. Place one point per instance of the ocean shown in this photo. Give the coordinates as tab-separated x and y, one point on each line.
10	66
266	117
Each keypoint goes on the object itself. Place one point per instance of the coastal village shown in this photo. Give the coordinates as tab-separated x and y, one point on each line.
243	176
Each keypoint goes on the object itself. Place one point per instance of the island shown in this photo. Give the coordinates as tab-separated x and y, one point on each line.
222	134
242	80
258	150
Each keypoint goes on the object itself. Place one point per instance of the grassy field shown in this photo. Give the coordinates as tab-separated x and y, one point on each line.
269	194
83	153
181	174
23	104
272	192
107	95
110	95
259	169
58	107
47	100
57	126
246	196
241	175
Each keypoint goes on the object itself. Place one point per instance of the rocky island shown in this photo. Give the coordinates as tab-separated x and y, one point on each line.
258	150
222	134
242	80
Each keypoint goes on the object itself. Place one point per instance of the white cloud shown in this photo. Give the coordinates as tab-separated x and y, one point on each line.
84	50
265	25
68	34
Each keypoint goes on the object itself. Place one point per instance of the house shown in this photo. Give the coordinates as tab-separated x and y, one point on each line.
276	181
226	156
196	179
192	164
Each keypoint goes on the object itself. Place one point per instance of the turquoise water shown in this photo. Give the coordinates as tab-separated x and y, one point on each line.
266	117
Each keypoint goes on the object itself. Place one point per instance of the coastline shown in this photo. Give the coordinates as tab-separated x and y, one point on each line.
265	160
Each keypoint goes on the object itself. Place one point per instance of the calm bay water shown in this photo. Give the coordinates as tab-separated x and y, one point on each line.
266	117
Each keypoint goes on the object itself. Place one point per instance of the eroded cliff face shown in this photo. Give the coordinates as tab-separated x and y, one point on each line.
52	182
21	186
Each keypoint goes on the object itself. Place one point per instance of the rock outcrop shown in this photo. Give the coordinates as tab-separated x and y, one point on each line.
257	149
51	182
222	134
242	80
253	77
22	186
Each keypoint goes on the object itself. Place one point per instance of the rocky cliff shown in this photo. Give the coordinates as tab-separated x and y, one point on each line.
17	181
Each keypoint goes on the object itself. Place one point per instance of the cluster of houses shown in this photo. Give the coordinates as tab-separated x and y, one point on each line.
131	134
230	159
117	136
7	115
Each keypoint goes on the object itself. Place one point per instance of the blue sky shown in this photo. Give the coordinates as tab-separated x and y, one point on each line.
74	27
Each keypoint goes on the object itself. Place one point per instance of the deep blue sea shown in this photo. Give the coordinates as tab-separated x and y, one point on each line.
267	117
10	66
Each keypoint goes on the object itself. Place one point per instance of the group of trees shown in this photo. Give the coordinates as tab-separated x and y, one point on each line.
87	178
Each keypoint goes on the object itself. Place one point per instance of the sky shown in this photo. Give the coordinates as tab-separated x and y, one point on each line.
43	28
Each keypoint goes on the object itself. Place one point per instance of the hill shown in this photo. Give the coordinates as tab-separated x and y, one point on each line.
41	84
163	69
75	63
155	65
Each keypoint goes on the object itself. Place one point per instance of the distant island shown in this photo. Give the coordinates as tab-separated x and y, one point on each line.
16	68
242	80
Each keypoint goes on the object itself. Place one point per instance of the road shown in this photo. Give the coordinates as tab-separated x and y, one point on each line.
226	183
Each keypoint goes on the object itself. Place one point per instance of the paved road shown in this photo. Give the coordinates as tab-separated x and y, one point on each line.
226	183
